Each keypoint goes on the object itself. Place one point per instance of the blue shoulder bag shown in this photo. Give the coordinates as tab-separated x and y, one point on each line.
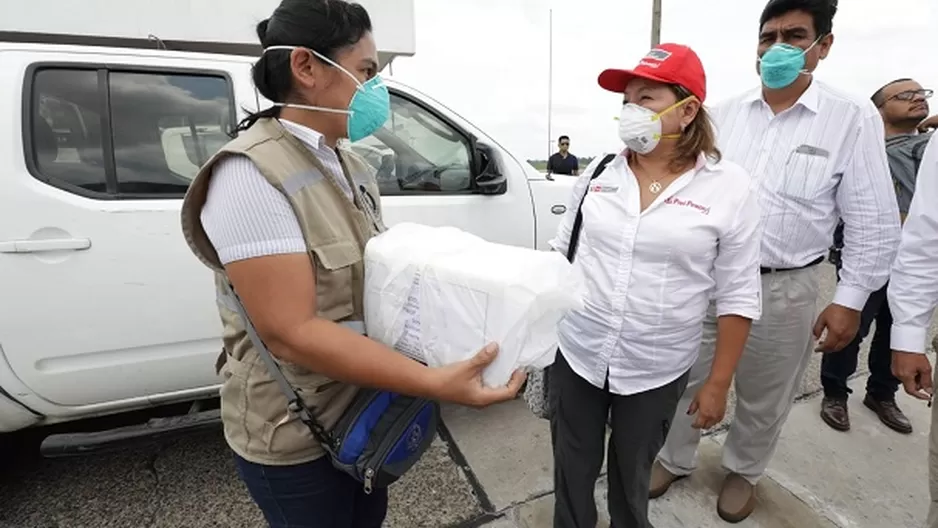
380	436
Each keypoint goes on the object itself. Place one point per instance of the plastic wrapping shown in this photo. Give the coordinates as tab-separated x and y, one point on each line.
439	294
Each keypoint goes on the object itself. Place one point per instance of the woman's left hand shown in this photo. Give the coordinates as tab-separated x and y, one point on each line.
709	404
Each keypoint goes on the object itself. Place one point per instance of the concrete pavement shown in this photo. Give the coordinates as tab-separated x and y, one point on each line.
869	477
493	468
496	474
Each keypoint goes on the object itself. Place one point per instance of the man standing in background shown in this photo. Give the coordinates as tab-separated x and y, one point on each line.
813	152
562	162
903	105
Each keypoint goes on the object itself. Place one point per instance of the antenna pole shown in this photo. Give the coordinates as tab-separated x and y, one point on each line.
655	23
550	83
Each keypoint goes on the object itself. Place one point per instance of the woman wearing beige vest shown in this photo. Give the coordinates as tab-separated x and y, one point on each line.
283	212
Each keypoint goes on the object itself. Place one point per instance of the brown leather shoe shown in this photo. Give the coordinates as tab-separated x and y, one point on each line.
834	413
661	480
737	499
890	414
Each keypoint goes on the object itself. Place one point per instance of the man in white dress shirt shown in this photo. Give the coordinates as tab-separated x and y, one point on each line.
903	103
815	154
913	295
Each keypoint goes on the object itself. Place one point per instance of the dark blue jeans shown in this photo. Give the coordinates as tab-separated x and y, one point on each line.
312	495
837	367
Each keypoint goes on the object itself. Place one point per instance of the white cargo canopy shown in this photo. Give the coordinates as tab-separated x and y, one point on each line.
220	26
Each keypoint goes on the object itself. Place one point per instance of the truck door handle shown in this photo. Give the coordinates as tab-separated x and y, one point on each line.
51	244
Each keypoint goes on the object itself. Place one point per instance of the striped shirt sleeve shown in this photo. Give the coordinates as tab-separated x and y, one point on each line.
245	217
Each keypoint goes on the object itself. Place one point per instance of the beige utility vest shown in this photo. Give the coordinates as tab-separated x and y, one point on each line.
253	408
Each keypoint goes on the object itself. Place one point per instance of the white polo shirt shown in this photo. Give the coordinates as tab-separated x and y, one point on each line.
650	274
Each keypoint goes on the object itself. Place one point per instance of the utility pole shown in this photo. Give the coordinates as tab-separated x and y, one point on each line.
550	82
655	23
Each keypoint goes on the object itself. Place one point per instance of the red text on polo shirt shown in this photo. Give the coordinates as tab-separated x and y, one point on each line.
674	200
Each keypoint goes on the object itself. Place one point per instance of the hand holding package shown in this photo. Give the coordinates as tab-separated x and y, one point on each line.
439	294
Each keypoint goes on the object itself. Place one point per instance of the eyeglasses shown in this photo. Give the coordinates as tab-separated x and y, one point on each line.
911	95
564	144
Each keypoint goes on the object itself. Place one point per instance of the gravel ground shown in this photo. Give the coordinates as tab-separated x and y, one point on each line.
191	482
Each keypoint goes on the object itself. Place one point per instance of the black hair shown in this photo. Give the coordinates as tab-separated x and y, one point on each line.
877	97
325	26
821	11
561	138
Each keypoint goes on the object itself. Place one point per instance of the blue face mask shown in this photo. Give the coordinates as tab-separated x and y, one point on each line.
782	64
369	108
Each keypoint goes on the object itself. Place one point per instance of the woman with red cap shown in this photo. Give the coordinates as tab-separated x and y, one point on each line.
659	230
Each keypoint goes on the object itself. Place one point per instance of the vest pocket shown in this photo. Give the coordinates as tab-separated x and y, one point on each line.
335	285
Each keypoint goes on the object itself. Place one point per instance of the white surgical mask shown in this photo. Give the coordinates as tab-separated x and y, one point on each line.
640	128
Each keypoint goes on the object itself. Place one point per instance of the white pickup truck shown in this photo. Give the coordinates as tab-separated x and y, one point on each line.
103	309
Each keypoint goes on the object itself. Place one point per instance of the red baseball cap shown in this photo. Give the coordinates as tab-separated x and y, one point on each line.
666	63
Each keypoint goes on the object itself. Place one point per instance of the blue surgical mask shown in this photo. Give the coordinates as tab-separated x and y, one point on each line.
782	64
369	108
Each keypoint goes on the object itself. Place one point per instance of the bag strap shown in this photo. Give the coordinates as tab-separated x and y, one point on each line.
295	403
578	222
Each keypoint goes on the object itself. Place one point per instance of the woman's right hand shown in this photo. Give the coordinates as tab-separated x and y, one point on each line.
462	382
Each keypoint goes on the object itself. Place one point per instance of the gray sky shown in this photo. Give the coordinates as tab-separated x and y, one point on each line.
488	59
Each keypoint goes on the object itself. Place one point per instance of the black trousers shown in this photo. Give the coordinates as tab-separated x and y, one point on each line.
640	424
837	367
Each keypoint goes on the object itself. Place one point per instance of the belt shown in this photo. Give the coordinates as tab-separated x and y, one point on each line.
764	271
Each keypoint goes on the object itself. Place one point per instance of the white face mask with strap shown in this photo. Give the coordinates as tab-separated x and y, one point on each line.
640	128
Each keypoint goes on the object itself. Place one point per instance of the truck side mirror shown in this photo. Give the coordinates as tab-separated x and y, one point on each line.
489	178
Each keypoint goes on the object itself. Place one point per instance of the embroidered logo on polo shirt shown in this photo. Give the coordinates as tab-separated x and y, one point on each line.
674	200
599	188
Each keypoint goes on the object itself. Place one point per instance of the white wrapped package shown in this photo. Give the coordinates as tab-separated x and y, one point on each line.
439	294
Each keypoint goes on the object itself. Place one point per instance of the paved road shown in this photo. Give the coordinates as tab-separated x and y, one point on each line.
190	482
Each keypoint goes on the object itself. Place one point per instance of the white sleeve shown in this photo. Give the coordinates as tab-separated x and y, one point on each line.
244	216
913	286
867	203
736	268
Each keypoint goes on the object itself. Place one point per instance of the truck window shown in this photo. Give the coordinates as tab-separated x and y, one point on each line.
153	116
66	128
159	128
416	152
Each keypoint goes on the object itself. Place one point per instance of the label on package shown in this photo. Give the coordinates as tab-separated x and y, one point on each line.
409	342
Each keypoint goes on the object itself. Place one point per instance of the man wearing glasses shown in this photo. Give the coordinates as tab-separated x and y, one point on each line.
903	104
563	162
